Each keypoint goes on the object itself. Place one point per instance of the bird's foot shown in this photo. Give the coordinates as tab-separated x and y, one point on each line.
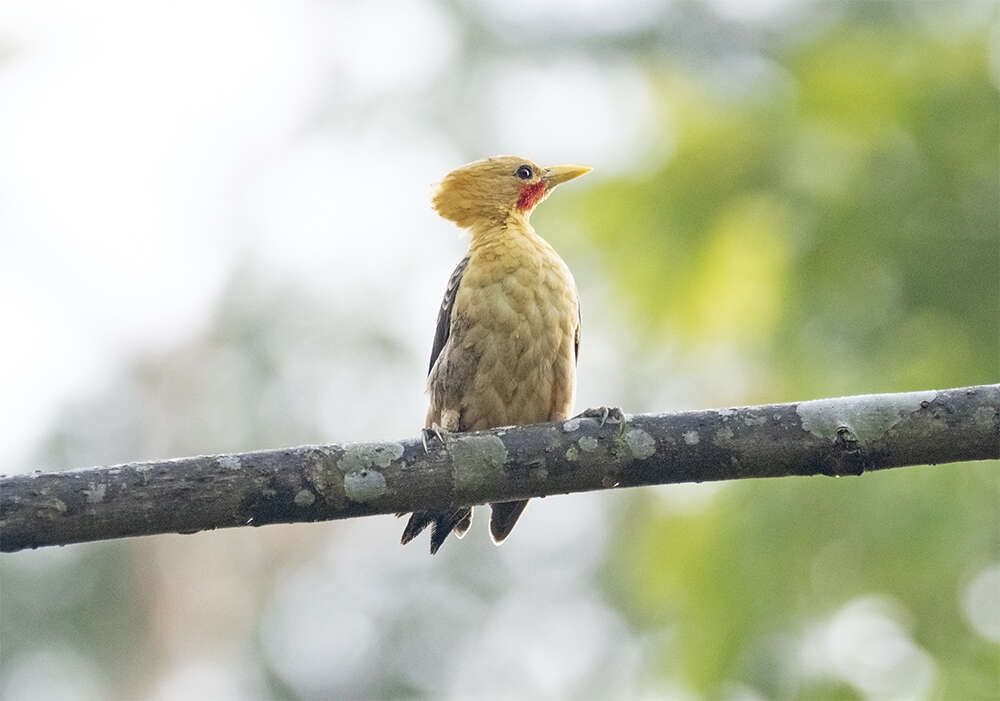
604	415
428	434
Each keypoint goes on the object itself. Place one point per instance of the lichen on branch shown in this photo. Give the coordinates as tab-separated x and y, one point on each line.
841	436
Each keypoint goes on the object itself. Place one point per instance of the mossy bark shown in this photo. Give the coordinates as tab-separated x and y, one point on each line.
843	436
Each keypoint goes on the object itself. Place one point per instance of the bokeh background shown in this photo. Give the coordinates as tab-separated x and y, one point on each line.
215	236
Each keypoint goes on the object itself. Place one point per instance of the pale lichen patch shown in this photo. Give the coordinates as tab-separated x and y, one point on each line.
724	435
553	439
324	476
986	416
385	453
588	444
95	493
304	497
755	420
358	456
364	485
571	425
692	437
572	454
229	462
50	507
640	443
867	416
474	457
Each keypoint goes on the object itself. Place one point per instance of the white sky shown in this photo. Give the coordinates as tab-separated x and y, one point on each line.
121	124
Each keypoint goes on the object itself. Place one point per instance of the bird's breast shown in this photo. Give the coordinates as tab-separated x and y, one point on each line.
516	316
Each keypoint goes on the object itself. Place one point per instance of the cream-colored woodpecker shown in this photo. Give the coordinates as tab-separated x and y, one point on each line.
508	332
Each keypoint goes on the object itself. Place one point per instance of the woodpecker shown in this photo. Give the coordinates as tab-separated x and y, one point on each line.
508	331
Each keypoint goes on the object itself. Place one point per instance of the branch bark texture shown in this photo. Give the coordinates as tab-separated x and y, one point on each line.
842	436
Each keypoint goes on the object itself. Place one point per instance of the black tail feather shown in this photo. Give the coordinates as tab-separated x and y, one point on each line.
419	520
462	526
503	517
441	525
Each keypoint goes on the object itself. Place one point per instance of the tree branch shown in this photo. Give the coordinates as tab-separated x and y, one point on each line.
844	436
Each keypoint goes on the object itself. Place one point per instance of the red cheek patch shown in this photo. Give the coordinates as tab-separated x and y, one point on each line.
531	195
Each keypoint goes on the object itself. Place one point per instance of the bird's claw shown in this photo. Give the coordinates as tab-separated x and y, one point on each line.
604	415
427	433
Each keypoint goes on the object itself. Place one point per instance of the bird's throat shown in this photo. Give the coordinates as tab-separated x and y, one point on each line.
530	196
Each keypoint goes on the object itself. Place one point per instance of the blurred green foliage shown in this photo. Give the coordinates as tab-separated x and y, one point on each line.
840	228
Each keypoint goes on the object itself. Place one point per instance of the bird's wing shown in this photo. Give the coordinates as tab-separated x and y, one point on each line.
444	314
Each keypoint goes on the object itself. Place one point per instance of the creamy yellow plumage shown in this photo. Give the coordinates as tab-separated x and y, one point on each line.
509	326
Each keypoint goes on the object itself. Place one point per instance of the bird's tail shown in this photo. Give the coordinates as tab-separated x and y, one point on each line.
442	523
503	518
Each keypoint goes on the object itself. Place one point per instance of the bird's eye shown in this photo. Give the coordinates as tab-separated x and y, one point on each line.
524	173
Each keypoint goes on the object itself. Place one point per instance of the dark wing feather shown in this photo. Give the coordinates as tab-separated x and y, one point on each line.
441	523
444	314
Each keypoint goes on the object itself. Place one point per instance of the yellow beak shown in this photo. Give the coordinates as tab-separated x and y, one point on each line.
560	174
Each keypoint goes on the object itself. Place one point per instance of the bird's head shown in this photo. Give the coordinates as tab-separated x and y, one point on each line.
494	190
